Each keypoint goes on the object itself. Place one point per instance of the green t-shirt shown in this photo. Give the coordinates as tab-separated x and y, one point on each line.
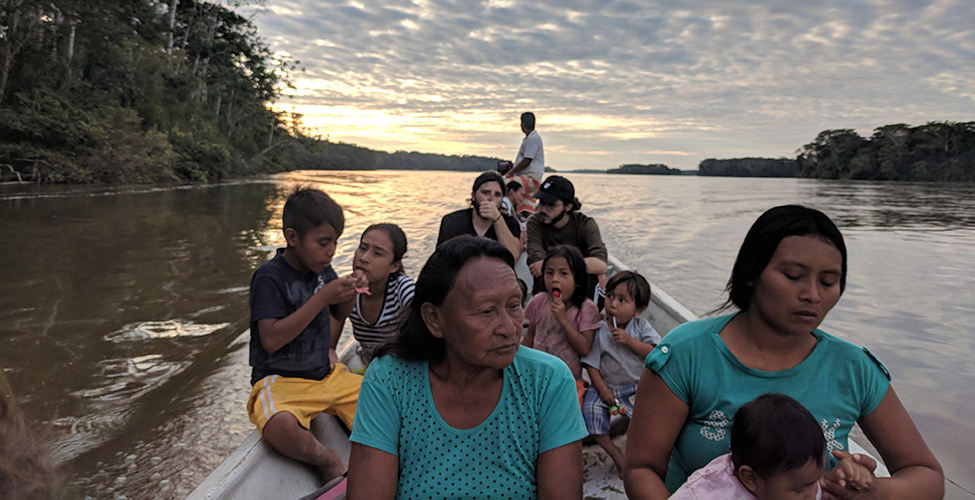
580	231
838	383
538	411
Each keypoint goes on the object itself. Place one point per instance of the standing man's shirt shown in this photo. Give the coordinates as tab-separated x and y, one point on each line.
531	147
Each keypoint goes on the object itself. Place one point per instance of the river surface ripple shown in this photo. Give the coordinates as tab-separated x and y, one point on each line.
122	309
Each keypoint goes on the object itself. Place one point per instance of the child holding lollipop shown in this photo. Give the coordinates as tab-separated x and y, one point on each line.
562	321
616	360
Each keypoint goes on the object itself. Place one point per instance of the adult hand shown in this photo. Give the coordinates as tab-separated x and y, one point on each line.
489	210
851	479
535	268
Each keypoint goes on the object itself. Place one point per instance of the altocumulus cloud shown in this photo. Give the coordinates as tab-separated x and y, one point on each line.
623	81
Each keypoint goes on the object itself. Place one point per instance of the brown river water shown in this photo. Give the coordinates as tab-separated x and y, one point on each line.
122	309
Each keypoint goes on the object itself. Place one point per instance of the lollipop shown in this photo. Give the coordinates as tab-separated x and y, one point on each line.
360	276
556	293
618	408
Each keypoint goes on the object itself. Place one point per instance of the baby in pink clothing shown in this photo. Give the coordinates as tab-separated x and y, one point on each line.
778	452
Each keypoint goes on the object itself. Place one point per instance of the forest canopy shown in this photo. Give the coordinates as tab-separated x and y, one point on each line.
145	91
937	151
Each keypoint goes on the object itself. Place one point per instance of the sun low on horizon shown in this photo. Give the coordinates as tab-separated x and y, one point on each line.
623	81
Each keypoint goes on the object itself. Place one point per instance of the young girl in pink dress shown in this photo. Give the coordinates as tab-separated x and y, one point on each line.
562	321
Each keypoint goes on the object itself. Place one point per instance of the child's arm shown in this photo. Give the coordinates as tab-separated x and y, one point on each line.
529	339
639	348
601	388
335	330
580	341
278	332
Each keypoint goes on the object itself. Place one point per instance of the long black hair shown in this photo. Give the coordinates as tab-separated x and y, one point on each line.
577	264
397	237
436	280
775	433
763	239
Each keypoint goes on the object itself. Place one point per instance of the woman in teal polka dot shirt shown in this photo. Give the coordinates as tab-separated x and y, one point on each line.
455	408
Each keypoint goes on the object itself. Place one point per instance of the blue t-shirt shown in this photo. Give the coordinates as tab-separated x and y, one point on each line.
277	291
838	382
538	411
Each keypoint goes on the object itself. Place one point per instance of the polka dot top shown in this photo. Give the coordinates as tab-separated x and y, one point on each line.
538	411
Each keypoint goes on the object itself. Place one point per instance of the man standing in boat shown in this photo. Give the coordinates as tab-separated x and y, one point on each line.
530	162
557	221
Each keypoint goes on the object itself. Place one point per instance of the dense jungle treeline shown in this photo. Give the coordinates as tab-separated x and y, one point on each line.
934	152
937	151
140	91
137	91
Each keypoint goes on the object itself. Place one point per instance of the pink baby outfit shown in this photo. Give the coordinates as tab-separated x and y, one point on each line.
717	481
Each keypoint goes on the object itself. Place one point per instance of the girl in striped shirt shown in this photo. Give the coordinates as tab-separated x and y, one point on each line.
379	313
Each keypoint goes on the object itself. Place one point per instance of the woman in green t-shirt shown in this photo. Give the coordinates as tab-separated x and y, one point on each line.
790	272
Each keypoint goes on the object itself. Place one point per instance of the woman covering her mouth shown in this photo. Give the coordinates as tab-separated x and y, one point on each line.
454	409
790	272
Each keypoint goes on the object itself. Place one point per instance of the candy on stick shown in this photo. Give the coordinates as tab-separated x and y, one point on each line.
556	292
618	408
359	278
614	322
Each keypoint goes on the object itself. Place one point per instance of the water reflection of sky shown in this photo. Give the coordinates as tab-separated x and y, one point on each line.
898	206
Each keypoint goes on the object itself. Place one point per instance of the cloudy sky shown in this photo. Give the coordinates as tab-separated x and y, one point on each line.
613	82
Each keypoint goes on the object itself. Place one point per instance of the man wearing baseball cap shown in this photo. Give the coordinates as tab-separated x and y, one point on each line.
557	221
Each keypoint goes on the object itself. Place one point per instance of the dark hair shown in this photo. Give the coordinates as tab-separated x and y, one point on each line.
763	239
397	237
486	177
308	208
26	468
528	120
774	433
636	284
514	185
577	264
436	280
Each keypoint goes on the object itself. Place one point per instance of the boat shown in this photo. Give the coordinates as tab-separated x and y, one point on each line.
255	471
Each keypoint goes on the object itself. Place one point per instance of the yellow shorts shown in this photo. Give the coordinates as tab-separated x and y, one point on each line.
336	394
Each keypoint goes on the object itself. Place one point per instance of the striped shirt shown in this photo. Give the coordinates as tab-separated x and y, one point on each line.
396	309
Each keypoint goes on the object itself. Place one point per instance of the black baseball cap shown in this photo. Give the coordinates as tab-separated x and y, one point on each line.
555	188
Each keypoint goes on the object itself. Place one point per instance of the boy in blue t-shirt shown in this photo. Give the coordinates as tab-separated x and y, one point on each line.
616	360
294	299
